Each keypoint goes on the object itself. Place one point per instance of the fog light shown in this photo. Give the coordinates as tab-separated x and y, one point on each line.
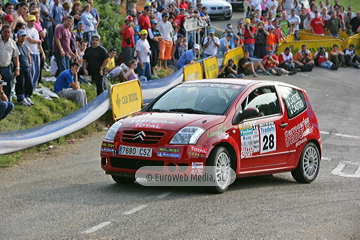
171	167
104	162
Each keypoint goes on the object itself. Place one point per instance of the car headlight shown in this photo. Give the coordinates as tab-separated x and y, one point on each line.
187	135
228	7
110	135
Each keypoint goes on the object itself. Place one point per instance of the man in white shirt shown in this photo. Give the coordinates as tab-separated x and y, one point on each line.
211	44
256	4
166	43
143	55
288	5
271	6
307	22
295	20
33	42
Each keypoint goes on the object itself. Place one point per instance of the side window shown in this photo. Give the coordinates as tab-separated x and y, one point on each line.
265	99
294	101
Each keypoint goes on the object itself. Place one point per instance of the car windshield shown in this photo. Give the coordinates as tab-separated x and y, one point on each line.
198	98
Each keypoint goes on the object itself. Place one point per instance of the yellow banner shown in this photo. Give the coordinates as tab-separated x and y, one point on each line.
356	41
236	54
193	72
211	67
305	35
125	98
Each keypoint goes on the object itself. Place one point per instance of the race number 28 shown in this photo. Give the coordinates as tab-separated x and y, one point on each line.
267	137
268	141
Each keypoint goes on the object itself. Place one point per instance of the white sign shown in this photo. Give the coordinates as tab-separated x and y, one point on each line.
267	137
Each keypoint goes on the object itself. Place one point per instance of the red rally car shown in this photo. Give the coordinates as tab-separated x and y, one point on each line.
252	127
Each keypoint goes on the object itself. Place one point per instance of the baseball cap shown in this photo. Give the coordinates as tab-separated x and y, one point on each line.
177	10
139	12
196	46
165	14
80	23
148	4
130	18
113	49
270	52
154	21
211	30
9	18
143	32
31	18
21	32
271	27
240	21
247	20
14	2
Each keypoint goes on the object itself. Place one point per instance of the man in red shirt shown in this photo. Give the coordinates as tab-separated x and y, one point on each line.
144	20
184	4
249	38
317	24
127	44
270	62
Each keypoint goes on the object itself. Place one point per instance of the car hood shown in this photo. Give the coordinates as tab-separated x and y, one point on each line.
218	3
171	121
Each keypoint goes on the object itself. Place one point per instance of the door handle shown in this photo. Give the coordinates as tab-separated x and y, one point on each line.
283	125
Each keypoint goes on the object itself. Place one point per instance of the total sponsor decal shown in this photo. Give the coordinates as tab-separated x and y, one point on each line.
198	149
148	125
173	150
165	154
249	135
107	144
300	131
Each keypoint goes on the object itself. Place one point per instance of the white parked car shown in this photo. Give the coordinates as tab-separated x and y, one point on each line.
218	9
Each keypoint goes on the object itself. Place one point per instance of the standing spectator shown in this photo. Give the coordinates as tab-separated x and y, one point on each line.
21	11
67	8
111	64
229	70
249	38
188	57
302	18
279	35
33	42
270	39
288	5
127	43
355	23
295	21
224	45
351	13
79	31
143	55
321	6
337	56
256	5
211	44
285	24
179	49
94	61
307	22
327	5
95	14
317	24
333	25
47	24
75	12
260	40
321	59
351	59
7	45
67	85
24	85
56	13
247	67
297	7
144	20
166	43
304	58
61	48
5	106
89	22
271	6
154	38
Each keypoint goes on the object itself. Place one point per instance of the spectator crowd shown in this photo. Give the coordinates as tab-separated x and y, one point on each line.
155	38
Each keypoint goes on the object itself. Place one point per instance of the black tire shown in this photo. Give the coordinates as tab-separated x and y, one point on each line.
122	179
220	156
228	18
309	164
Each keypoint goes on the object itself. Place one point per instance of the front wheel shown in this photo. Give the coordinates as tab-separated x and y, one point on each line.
309	164
122	179
220	160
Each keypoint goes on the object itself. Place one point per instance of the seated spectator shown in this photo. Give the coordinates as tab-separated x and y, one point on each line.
67	85
321	59
270	62
188	57
351	59
247	67
111	64
130	72
230	70
286	60
337	56
5	106
304	59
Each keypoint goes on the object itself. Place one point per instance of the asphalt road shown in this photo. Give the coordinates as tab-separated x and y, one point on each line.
64	194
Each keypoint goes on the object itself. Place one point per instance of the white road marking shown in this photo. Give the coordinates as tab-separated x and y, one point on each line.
135	209
326	159
165	194
97	227
340	135
338	170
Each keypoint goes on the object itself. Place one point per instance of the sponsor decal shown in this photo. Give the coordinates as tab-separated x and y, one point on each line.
173	150
151	121
197	165
171	155
220	129
147	125
107	144
198	150
267	137
196	154
249	137
110	150
298	132
295	103
300	142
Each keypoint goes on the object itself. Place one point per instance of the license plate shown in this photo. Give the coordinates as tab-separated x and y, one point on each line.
135	151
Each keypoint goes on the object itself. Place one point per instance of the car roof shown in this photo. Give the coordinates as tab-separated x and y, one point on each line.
242	82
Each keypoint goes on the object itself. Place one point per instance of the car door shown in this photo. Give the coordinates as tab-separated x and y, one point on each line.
262	138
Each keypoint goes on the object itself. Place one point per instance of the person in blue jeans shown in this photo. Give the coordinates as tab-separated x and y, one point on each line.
5	106
143	55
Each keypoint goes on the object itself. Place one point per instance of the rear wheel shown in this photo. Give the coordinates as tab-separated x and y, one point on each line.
220	160
122	179
309	164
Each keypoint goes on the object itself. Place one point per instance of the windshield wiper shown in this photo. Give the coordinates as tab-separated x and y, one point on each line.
158	110
187	110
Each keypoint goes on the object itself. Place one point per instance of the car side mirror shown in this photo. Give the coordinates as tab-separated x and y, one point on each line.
246	114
